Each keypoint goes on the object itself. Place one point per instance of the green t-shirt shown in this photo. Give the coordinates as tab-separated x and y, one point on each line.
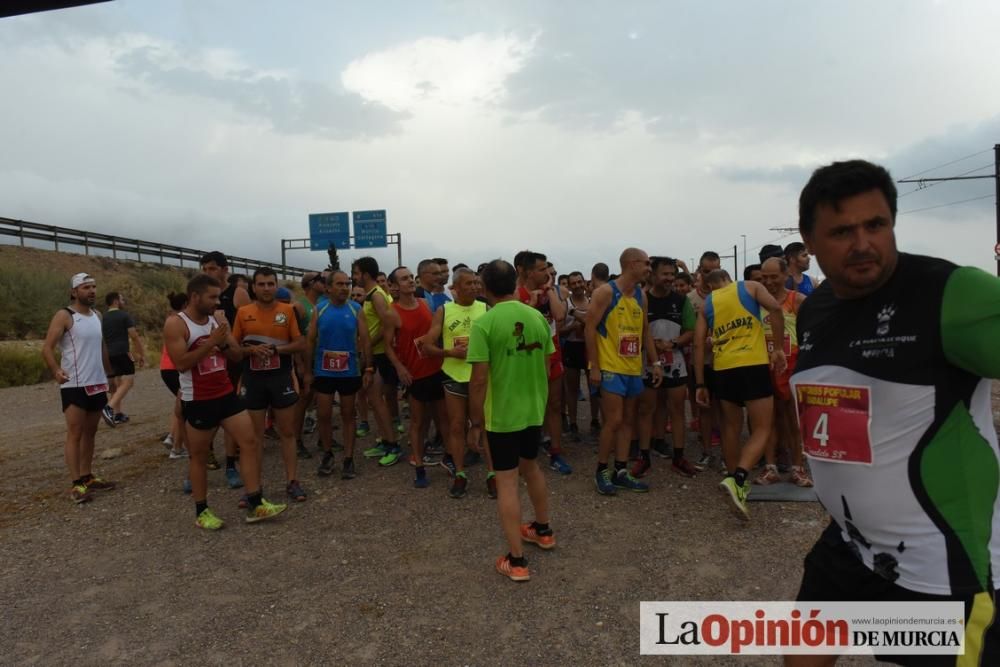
516	341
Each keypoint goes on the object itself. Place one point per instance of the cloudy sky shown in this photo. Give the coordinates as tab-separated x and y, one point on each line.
574	128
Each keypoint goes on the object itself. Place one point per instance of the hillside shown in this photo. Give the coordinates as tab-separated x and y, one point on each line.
34	283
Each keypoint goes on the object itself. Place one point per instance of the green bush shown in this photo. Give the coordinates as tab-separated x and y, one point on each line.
20	366
28	298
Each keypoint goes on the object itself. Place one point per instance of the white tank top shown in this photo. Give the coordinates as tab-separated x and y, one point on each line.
82	349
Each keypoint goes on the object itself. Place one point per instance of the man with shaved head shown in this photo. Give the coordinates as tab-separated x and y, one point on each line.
617	335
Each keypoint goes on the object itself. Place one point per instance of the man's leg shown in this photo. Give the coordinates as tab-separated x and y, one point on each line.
571	387
75	422
324	420
348	405
761	412
457	421
243	428
509	509
537	491
732	422
419	413
284	424
553	416
125	384
256	442
629	411
377	396
199	442
87	436
612	405
676	397
645	415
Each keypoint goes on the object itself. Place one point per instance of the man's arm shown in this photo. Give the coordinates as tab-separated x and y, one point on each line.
769	303
427	344
140	352
185	359
241	297
60	323
365	347
599	303
389	326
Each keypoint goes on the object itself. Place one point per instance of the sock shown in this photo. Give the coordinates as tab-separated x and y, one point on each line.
740	476
489	475
541	528
678	454
601	467
620	465
230	462
517	562
200	507
254	500
645	455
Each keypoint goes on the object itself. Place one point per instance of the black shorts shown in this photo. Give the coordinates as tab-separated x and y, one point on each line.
508	448
78	396
746	383
121	364
668	382
574	355
455	388
270	390
345	386
385	369
208	414
172	379
428	389
834	573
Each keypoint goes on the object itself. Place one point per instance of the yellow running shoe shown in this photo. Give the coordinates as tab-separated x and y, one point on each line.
266	510
208	520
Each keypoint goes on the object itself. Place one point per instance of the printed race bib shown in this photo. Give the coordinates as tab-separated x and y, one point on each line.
628	345
336	362
213	363
273	363
94	389
787	346
835	422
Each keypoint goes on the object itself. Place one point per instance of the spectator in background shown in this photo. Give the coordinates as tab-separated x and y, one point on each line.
752	272
118	329
798	263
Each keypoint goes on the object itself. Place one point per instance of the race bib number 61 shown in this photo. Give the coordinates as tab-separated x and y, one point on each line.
836	422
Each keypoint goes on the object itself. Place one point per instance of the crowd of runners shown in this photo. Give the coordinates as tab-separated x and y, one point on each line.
876	376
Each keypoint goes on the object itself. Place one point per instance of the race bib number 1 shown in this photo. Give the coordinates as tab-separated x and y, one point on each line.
835	422
628	345
335	362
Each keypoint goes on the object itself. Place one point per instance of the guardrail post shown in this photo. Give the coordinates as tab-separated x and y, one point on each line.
86	244
20	227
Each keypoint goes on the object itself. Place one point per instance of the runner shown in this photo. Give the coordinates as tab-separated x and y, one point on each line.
903	449
508	395
671	324
798	263
199	342
376	308
537	289
617	334
175	440
233	297
411	318
785	430
269	332
708	418
118	328
339	348
453	324
732	317
313	287
574	353
81	374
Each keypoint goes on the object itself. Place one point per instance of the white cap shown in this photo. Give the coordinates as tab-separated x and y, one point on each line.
80	279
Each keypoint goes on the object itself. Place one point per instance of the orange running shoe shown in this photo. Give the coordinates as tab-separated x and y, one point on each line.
512	572
529	534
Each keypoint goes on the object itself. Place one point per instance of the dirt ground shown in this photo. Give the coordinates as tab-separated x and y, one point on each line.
367	571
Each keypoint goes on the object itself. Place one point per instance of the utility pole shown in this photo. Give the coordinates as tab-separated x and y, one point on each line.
744	249
921	183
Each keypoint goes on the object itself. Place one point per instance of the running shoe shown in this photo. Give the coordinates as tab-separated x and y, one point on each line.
378	451
295	492
640	467
168	441
326	466
420	481
347	471
301	451
435	448
362	430
546	444
98	484
187	487
109	416
309	423
529	534
558	463
208	520
491	485
80	494
768	475
233	478
704	462
683	467
624	480
737	496
121	418
800	477
662	449
391	457
604	485
179	454
266	510
512	572
458	486
448	463
212	463
400	427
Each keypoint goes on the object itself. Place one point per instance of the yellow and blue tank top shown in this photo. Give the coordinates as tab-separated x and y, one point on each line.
455	328
619	334
733	317
372	320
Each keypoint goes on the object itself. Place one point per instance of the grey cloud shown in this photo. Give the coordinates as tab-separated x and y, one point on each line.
291	106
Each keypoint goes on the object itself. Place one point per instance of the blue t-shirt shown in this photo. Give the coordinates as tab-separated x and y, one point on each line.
336	340
805	288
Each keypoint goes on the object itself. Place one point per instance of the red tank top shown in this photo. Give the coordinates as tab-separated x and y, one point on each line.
414	324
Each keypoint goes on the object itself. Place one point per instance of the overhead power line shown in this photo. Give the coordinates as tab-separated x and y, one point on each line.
953	203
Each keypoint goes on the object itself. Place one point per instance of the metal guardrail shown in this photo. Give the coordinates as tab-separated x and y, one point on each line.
143	250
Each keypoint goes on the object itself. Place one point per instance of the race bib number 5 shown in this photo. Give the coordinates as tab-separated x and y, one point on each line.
628	345
835	422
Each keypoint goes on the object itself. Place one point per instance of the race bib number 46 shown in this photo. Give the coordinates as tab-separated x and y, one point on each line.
835	422
628	345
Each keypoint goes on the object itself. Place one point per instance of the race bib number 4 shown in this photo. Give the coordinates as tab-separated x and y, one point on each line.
213	363
336	362
835	422
628	345
272	363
